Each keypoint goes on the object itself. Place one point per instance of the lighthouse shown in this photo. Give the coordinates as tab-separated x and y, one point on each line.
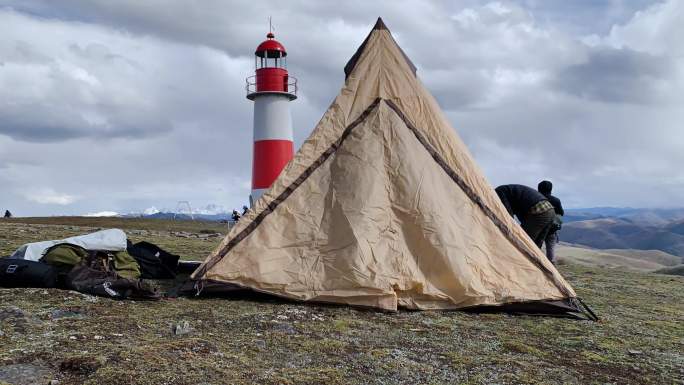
272	89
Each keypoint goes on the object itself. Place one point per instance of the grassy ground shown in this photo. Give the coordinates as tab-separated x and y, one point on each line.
124	223
191	239
79	339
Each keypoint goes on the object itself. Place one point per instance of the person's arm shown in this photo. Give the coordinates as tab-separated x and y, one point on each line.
561	212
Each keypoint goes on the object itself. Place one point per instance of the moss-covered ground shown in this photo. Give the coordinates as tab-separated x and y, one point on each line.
79	339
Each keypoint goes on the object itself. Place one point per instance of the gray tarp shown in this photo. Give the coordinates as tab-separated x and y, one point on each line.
110	240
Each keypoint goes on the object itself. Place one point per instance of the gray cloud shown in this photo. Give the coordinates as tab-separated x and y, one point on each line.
619	76
55	123
89	81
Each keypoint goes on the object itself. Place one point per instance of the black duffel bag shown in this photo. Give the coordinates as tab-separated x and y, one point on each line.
23	273
155	263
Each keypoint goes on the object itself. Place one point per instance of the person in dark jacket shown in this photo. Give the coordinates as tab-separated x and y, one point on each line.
235	216
533	210
244	210
545	187
8	214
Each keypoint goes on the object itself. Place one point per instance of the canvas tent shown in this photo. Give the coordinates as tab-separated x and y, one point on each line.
383	206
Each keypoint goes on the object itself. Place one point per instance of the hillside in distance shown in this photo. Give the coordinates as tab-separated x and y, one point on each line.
623	259
644	216
620	233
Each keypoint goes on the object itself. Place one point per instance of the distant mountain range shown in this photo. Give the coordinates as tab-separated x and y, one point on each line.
620	228
636	215
211	212
616	228
182	216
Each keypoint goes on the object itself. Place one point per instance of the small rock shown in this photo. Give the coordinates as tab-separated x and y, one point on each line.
635	352
19	319
60	313
72	337
182	328
89	298
285	328
81	364
24	374
54	382
12	313
261	344
98	337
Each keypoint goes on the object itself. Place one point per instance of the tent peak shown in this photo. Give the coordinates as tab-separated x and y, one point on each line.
380	25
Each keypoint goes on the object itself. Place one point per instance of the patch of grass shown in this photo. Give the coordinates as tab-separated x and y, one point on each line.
591	356
521	347
324	345
341	325
235	341
460	360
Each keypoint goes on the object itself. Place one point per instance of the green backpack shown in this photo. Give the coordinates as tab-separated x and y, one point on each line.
66	256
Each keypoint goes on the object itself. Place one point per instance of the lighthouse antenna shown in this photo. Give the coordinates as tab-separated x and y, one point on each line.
270	25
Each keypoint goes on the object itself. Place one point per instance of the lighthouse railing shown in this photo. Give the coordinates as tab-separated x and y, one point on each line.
289	86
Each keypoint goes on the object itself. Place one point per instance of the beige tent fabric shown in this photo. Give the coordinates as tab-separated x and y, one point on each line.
383	206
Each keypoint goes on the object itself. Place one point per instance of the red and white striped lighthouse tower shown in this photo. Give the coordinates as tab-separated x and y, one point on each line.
271	89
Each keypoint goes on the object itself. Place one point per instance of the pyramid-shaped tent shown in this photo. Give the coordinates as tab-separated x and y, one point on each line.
383	206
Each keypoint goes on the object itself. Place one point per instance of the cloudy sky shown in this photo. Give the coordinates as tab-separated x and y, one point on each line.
125	105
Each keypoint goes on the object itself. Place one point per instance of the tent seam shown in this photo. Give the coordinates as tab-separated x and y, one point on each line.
288	190
489	213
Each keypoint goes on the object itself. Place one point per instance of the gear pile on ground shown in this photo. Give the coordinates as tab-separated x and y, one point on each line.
102	263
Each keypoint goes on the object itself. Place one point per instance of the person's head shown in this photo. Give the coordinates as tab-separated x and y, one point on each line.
245	207
545	187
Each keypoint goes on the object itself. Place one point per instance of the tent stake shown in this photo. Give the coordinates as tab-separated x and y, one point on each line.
592	315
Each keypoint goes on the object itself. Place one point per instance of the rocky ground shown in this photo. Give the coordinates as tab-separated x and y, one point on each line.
55	336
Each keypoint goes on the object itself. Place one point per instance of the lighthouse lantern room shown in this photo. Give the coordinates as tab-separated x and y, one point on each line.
271	88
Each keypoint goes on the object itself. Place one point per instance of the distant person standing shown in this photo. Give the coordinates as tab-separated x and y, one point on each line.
533	210
545	187
8	214
244	210
235	216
